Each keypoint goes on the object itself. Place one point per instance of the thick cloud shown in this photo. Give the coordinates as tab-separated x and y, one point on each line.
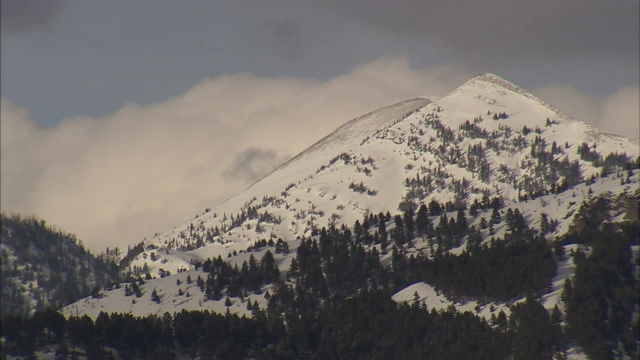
144	169
618	113
251	165
573	103
621	113
104	54
20	16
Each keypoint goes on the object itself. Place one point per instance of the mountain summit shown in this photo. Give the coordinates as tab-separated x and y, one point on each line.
491	80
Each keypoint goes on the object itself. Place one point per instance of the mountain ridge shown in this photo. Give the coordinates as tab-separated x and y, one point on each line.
386	132
407	105
495	79
44	267
486	203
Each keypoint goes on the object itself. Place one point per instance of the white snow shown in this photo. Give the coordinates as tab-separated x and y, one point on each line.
114	300
312	190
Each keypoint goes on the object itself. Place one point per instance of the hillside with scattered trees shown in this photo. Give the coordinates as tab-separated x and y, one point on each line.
43	267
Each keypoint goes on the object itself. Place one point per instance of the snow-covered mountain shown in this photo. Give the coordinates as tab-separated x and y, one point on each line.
179	288
486	149
485	138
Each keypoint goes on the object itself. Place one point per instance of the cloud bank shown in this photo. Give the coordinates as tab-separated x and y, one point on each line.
618	113
144	169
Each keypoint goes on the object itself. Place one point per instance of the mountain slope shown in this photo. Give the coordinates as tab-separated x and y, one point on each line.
484	139
43	267
561	211
500	203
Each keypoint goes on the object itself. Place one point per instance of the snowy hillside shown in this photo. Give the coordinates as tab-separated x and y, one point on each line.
42	266
173	289
486	138
487	205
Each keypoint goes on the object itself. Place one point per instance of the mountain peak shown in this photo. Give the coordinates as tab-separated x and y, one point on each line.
490	81
491	88
487	138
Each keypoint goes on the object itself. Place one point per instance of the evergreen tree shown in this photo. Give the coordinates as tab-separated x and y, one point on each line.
269	268
422	221
409	224
399	237
434	208
533	331
155	297
461	220
382	228
495	216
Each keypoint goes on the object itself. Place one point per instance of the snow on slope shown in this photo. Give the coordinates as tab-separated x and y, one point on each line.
366	165
176	293
561	207
363	166
296	194
485	138
115	300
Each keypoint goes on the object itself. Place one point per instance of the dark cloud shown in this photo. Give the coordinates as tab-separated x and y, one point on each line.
283	34
252	164
104	54
21	16
499	30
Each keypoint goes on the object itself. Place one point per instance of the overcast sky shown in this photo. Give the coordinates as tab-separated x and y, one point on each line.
124	118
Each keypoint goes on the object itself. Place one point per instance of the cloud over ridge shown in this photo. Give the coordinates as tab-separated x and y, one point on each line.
144	169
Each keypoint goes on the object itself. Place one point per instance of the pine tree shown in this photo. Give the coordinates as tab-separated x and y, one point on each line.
200	283
155	297
382	228
461	220
533	331
567	291
483	223
269	268
399	232
409	225
422	220
434	208
495	216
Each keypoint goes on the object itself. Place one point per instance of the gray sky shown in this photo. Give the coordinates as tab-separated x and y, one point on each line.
124	118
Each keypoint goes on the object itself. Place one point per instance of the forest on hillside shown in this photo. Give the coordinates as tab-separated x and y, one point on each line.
335	302
44	267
